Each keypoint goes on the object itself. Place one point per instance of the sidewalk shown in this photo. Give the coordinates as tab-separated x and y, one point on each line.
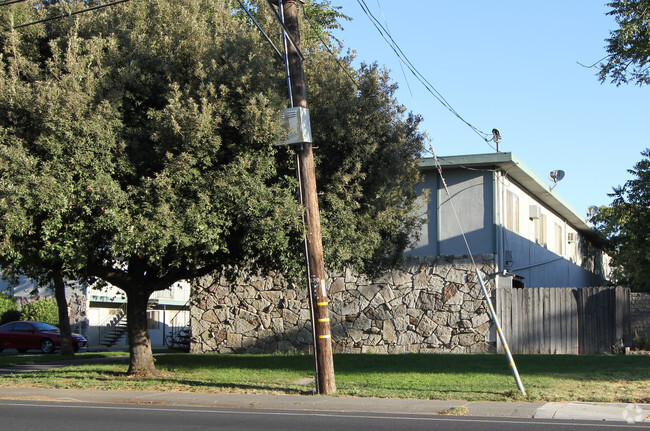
538	410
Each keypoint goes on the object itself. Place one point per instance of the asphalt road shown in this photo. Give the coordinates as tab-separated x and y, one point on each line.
71	416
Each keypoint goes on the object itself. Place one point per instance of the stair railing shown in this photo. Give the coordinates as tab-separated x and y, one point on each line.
111	321
176	328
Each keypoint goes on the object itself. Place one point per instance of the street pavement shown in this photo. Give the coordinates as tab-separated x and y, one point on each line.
637	413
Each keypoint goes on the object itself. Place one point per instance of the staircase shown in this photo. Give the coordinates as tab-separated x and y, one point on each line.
180	339
114	328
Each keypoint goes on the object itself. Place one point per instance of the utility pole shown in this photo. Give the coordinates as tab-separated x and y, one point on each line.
314	245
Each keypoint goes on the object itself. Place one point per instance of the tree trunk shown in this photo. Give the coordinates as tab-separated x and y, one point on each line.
67	349
141	356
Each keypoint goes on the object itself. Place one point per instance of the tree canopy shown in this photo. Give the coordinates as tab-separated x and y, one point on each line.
629	45
624	224
137	146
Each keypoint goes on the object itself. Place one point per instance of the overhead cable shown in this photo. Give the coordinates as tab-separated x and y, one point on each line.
285	30
385	34
8	2
486	296
65	15
268	39
327	47
401	66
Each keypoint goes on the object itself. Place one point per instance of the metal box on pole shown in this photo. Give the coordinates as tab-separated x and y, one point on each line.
298	127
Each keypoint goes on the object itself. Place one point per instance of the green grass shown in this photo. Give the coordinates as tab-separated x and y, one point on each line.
444	377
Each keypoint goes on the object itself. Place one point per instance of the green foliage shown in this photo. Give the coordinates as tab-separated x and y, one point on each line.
137	145
41	309
143	144
367	167
624	225
629	45
8	309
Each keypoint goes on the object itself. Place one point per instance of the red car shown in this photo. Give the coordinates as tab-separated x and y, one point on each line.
25	335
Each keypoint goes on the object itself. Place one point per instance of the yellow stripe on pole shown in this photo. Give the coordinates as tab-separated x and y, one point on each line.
327	319
324	336
320	304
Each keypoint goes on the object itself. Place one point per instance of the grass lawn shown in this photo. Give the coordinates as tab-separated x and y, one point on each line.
445	377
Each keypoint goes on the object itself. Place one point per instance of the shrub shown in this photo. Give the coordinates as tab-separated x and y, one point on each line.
42	309
8	309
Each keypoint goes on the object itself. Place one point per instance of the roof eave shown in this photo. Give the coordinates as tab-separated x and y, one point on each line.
519	172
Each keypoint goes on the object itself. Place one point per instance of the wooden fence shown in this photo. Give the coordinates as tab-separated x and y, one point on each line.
588	320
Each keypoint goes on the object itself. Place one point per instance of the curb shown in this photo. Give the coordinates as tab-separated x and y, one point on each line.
537	410
630	413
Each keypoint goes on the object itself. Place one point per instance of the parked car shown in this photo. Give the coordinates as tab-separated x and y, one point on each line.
25	335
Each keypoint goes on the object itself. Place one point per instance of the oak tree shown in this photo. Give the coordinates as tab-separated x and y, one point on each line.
624	225
628	45
137	146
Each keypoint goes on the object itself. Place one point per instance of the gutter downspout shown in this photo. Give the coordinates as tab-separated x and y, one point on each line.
498	222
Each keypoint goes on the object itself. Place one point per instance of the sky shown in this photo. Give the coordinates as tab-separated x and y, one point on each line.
513	65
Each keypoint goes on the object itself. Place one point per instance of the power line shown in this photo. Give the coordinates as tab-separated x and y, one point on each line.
8	2
65	15
385	34
285	30
268	39
401	66
327	47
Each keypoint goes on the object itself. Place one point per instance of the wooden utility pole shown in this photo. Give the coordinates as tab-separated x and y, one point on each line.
320	302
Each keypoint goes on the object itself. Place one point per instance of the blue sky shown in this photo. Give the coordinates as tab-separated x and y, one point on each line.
513	65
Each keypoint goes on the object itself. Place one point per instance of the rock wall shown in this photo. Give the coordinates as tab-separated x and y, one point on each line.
78	312
429	305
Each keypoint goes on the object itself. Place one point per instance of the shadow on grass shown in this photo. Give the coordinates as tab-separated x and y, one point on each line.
112	379
237	361
585	367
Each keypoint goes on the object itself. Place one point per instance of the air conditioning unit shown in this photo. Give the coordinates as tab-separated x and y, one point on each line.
535	212
298	127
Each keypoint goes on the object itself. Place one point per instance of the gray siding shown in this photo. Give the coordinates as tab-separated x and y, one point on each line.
473	201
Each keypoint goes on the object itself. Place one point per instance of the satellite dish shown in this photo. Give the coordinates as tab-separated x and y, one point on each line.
592	210
556	176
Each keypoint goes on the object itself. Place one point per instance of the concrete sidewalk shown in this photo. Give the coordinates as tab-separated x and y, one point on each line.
538	410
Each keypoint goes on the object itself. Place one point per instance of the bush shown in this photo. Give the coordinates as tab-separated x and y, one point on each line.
43	309
8	309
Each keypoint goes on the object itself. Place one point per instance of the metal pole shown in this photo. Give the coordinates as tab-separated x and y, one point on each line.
502	337
286	60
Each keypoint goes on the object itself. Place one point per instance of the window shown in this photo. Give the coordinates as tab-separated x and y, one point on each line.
512	211
153	319
540	230
23	327
559	239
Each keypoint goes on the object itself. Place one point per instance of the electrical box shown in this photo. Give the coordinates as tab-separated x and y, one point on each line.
535	212
298	127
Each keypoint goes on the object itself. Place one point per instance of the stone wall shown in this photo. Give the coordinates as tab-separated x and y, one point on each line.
429	305
640	317
78	312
